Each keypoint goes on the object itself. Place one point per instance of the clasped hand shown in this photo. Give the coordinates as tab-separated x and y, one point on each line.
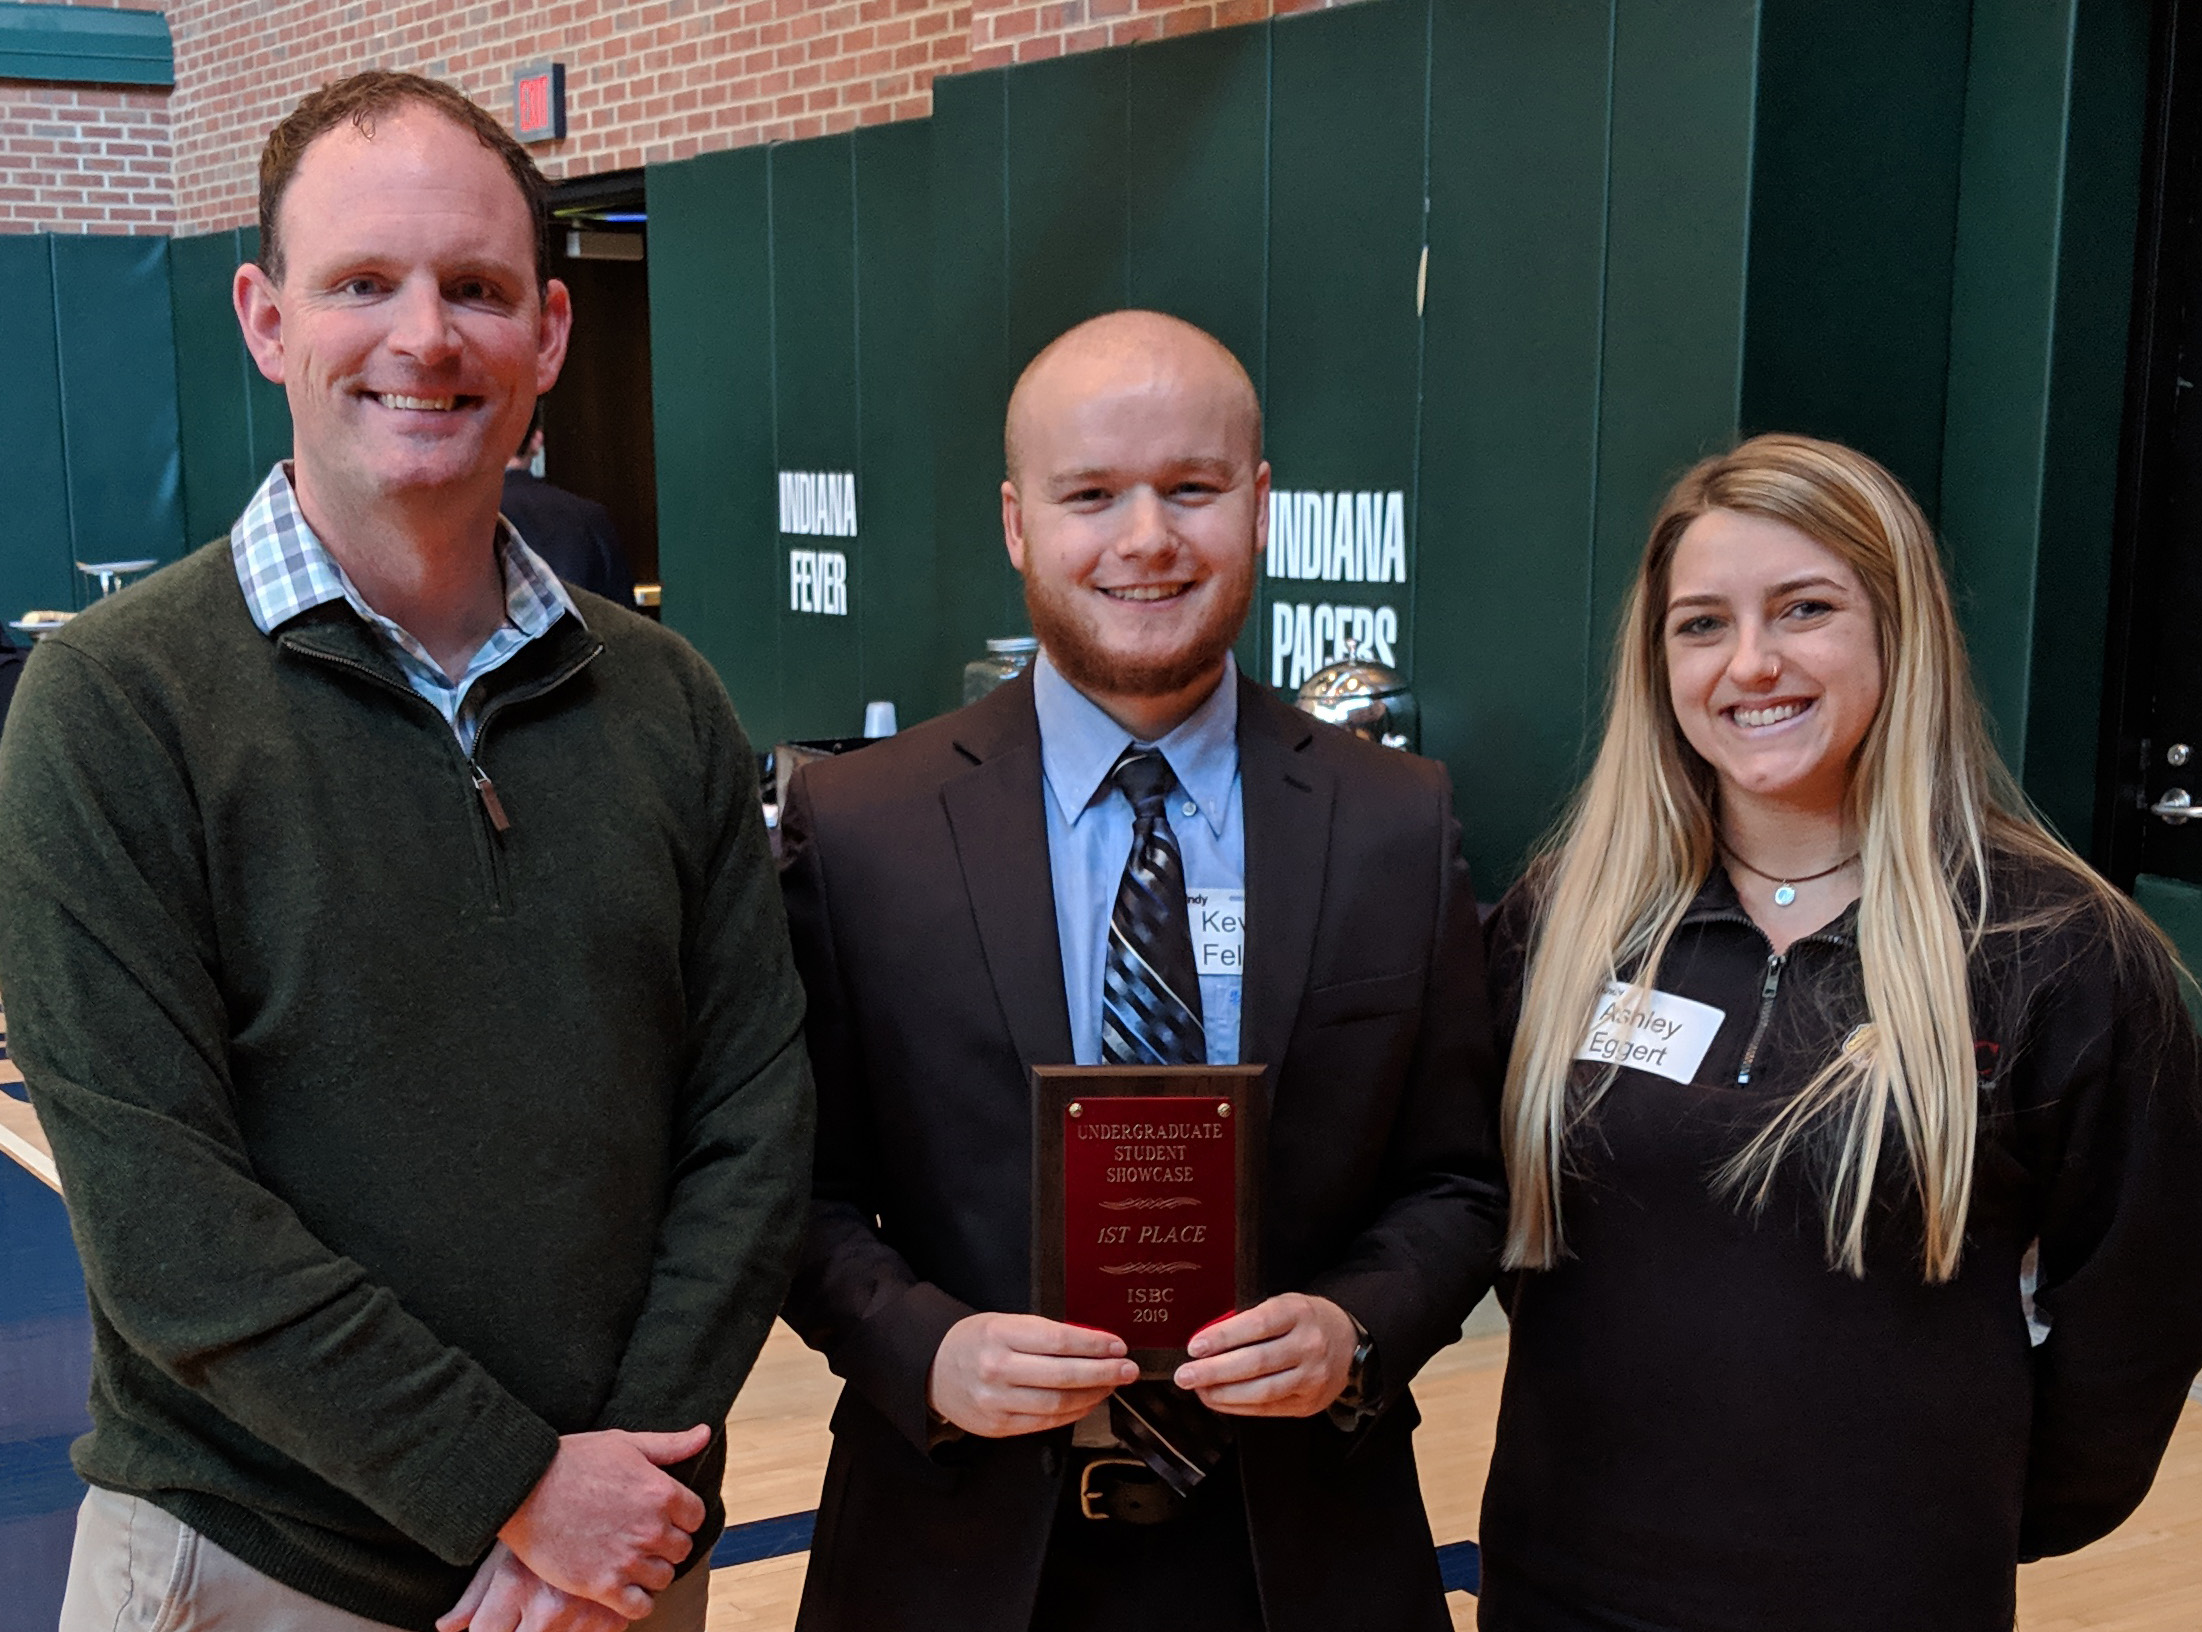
996	1375
595	1542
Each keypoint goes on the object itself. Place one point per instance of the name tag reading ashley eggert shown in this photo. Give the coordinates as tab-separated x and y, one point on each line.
1651	1031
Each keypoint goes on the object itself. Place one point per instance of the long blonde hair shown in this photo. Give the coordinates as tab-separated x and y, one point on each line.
1930	800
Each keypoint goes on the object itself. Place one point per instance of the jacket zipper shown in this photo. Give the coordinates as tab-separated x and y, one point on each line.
485	791
1769	984
494	806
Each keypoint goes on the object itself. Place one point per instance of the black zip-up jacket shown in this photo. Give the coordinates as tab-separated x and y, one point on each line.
1706	1427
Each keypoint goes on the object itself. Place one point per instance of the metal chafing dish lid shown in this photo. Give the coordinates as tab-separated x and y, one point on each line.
1365	698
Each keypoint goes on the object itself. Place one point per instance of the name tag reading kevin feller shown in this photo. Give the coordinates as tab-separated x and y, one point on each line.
1218	918
1651	1031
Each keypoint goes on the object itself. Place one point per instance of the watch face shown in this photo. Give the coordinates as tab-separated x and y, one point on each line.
1360	1374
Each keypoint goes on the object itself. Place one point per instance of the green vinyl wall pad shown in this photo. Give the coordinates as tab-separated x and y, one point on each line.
1500	271
132	423
2177	908
235	423
90	463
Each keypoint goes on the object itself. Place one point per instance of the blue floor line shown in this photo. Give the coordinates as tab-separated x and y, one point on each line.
764	1538
1458	1562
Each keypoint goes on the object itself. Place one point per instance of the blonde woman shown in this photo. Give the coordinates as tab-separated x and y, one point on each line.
1815	1032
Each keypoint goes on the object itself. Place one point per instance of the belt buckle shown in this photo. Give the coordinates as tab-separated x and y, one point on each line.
1087	1495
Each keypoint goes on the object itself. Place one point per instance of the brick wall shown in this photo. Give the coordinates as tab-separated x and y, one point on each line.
83	158
646	80
1028	30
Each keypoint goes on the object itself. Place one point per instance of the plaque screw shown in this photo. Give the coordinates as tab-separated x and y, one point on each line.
1077	1109
1224	1109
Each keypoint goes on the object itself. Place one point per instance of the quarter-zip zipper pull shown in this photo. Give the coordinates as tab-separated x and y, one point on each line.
490	802
1767	988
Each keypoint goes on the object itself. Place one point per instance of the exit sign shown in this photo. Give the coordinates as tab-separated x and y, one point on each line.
539	103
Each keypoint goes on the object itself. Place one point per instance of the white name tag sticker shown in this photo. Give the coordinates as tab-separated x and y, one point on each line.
1219	930
1656	1032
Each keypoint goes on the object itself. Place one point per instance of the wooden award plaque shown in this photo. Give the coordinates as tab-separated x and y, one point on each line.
1145	1205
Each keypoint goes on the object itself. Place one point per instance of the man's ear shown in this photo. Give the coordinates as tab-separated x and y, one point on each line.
553	329
1013	525
260	315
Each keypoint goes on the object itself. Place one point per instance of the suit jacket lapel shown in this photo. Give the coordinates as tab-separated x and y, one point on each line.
1288	808
1000	830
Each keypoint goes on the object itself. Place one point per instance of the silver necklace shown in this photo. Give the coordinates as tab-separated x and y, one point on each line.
1785	889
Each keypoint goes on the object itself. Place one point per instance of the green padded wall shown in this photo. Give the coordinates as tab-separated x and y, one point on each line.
1347	169
897	587
712	400
790	291
117	358
2044	266
1678	168
1064	125
1506	660
2176	906
978	596
89	451
814	395
1860	125
35	548
234	422
1516	266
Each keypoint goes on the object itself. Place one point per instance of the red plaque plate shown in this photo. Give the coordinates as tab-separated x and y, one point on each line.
1144	1218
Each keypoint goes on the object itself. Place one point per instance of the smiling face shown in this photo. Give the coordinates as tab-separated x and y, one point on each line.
408	331
1136	506
1773	660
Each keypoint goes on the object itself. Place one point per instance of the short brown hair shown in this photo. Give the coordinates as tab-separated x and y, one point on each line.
362	99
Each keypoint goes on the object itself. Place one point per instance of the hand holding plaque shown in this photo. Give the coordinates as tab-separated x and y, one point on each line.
1288	1356
999	1374
1144	1213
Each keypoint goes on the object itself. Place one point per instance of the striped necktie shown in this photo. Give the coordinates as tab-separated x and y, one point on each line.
1150	1015
1150	985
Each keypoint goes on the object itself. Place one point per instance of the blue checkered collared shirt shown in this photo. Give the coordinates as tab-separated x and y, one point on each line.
285	570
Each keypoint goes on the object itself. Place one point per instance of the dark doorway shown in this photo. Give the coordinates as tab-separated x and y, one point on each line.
597	434
2152	735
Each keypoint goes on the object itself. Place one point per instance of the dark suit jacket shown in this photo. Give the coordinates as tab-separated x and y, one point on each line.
574	536
919	896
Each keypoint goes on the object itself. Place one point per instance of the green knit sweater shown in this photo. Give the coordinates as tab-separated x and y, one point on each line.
395	1145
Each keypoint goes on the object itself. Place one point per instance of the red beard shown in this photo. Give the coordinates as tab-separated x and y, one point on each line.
1082	659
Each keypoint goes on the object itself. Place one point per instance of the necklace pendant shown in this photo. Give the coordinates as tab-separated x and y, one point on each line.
1784	895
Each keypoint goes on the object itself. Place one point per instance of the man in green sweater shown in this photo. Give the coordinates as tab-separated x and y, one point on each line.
394	958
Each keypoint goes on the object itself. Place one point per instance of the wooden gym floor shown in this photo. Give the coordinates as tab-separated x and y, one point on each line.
2146	1577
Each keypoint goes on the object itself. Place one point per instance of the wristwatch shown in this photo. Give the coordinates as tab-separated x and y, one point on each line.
1356	1402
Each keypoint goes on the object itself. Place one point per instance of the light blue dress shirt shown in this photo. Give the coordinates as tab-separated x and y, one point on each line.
1089	838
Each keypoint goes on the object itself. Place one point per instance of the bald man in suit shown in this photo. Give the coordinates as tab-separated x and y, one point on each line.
956	896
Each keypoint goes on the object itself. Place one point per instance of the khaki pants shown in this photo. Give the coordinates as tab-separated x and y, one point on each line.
135	1568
